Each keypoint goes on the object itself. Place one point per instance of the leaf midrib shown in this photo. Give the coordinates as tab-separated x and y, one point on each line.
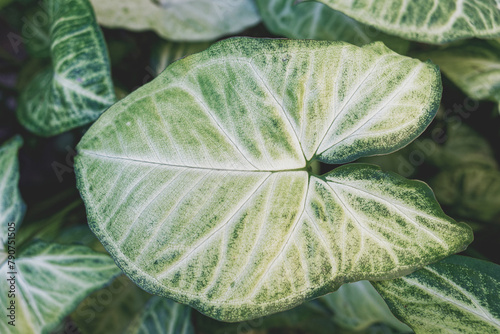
158	163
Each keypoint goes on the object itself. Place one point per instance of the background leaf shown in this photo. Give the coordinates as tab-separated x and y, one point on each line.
318	21
428	21
162	316
12	207
470	191
50	281
473	66
458	294
195	21
77	87
358	305
213	206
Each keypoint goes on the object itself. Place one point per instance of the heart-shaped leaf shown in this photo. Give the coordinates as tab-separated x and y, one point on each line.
198	183
179	20
317	21
429	21
456	295
12	207
77	87
47	281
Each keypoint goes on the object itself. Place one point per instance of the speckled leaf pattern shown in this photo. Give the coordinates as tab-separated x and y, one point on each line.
457	295
162	316
51	280
429	21
179	20
77	87
12	206
204	196
474	67
313	20
358	305
166	53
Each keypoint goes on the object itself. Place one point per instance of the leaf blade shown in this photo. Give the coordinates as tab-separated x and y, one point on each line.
465	290
225	181
77	87
429	21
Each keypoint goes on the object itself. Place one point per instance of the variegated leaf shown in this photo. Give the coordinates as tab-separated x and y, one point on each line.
166	53
12	207
429	21
473	66
457	295
47	282
179	20
318	21
199	185
77	87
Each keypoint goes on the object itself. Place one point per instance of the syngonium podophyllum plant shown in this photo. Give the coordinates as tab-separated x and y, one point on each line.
200	183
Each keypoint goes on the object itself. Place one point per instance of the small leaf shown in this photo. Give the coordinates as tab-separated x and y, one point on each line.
473	66
318	21
471	191
357	306
162	316
77	87
179	20
50	281
428	21
197	183
12	207
457	295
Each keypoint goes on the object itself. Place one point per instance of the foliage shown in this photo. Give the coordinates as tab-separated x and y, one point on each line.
231	185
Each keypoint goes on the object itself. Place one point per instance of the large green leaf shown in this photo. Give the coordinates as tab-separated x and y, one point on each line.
12	207
358	305
179	20
473	66
470	191
318	21
198	183
430	21
162	316
77	87
50	280
457	295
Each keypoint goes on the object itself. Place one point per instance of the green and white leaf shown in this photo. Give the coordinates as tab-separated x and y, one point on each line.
111	309
162	316
473	66
50	281
166	53
358	305
317	21
77	87
457	295
471	191
204	196
428	21
12	206
179	20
